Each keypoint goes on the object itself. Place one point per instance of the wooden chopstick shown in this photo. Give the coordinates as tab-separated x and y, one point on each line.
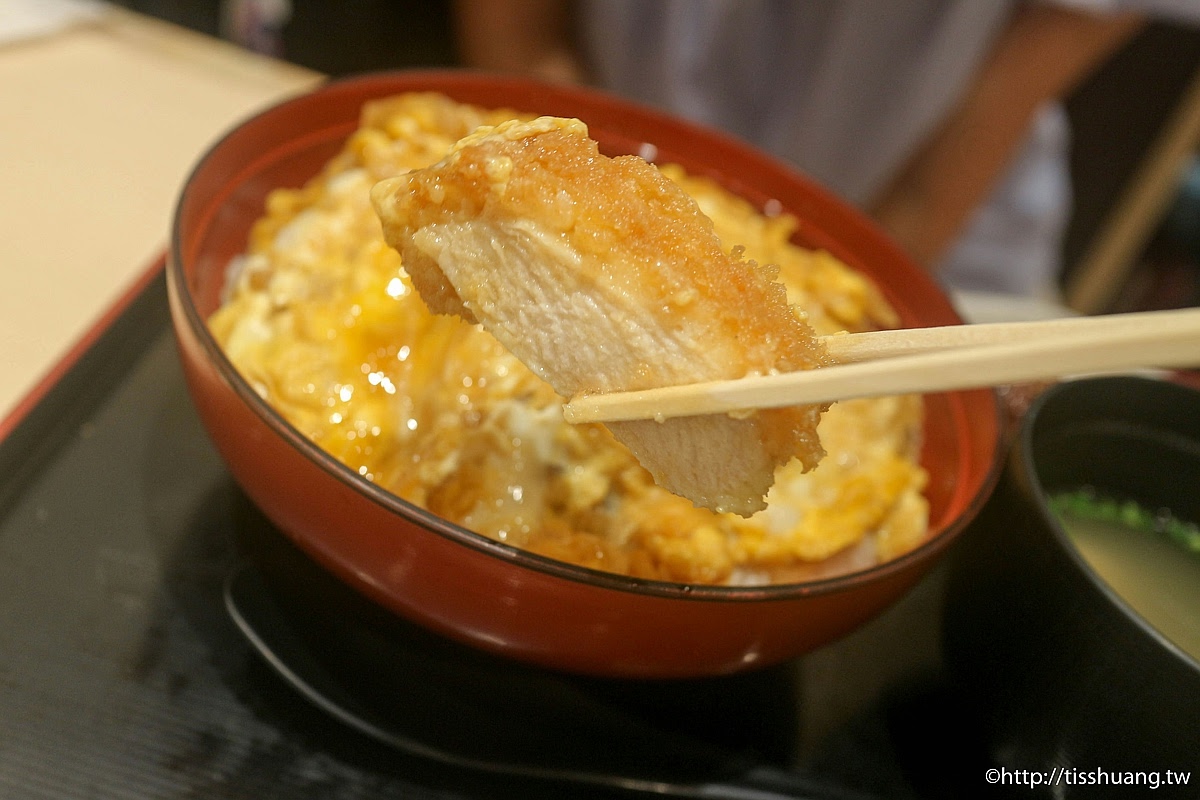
850	347
922	360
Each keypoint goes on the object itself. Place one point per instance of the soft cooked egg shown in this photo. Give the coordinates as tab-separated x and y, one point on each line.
323	321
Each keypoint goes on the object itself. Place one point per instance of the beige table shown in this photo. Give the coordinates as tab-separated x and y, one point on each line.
99	125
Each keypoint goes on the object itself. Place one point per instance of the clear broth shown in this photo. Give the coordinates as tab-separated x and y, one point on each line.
1156	575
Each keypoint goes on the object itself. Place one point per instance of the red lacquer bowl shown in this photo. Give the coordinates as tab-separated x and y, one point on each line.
480	591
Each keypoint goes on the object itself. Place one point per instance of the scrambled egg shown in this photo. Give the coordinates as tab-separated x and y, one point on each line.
320	317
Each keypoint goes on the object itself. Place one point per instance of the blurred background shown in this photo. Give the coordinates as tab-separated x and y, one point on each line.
1133	241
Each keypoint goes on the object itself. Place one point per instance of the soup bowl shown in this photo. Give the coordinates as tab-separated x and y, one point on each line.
1063	677
484	592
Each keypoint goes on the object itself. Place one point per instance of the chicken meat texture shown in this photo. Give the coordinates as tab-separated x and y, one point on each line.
603	275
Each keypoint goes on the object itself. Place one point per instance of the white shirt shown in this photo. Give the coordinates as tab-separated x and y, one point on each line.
846	90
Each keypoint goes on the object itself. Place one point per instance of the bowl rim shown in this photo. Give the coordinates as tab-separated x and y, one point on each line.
177	286
1028	466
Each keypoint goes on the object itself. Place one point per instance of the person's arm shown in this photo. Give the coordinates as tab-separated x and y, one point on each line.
1042	55
531	37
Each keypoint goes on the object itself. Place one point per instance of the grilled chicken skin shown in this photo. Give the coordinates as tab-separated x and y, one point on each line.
603	275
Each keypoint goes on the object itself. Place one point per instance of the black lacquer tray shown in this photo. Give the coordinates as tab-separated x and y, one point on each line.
124	675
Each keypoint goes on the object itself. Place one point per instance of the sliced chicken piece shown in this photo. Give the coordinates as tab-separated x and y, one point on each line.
601	275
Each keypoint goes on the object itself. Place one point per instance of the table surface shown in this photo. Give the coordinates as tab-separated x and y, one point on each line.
101	123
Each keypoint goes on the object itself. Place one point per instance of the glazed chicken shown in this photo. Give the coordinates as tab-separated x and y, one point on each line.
602	275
